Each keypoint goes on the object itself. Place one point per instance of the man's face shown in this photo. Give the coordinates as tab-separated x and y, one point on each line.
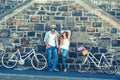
53	29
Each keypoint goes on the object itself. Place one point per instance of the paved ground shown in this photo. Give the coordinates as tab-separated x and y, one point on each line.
31	74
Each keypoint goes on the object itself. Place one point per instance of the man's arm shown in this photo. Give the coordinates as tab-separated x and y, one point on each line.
46	39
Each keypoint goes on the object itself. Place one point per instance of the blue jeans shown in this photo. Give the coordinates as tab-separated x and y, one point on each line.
64	53
52	58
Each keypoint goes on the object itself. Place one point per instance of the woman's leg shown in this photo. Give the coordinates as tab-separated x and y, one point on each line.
64	55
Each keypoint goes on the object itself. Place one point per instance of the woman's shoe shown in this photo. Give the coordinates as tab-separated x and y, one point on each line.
65	70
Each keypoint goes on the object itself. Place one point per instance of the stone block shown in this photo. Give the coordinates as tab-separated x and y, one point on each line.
59	18
58	27
8	7
39	27
46	18
77	13
97	24
103	50
30	12
84	18
104	42
97	34
34	19
94	49
90	29
53	8
10	21
82	28
42	49
17	34
69	60
73	44
31	34
86	23
72	55
21	22
63	8
4	33
118	14
12	27
113	30
79	7
66	14
115	43
50	13
111	12
25	28
41	13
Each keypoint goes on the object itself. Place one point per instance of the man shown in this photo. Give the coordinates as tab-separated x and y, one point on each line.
51	43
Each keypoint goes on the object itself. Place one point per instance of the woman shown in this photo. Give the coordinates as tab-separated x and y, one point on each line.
64	46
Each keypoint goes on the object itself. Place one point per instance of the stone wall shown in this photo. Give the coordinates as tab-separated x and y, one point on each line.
32	24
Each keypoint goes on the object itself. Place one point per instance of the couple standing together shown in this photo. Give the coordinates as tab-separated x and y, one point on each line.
51	42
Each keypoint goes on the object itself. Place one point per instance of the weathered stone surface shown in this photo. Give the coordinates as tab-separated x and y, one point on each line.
115	43
90	29
39	27
21	22
35	21
34	18
10	21
4	33
97	24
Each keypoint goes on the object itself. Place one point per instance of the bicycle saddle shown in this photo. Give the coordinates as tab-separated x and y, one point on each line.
18	46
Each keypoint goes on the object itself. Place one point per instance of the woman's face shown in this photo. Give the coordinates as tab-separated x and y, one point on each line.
63	34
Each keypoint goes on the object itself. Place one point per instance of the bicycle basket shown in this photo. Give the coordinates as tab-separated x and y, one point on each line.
81	49
84	52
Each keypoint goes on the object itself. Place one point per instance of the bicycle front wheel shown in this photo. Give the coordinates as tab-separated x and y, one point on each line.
110	69
39	62
8	60
81	65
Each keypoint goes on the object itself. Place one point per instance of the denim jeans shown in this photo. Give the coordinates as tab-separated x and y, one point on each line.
64	53
52	58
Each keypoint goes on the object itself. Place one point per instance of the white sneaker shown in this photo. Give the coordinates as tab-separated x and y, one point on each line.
65	70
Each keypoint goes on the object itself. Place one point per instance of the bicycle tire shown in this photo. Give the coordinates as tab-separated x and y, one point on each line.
6	60
79	66
110	69
39	62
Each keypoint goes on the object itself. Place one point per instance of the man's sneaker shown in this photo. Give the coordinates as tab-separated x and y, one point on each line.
65	70
56	70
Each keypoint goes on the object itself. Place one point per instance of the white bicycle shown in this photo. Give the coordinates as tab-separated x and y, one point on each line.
10	60
106	62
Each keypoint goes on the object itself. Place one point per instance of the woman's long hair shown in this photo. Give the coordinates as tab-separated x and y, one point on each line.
62	37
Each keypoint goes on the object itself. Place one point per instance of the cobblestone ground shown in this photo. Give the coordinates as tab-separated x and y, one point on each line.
31	74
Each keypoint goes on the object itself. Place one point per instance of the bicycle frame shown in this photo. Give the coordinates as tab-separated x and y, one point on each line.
97	62
22	57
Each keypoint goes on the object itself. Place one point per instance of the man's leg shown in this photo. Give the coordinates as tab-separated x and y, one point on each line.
55	58
49	52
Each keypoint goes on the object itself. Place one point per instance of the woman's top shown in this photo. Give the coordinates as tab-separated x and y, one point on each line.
65	45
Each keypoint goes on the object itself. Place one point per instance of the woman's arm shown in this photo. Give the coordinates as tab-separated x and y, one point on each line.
69	34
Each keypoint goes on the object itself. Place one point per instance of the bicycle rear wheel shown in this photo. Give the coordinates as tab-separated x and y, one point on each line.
8	60
39	62
110	69
79	66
